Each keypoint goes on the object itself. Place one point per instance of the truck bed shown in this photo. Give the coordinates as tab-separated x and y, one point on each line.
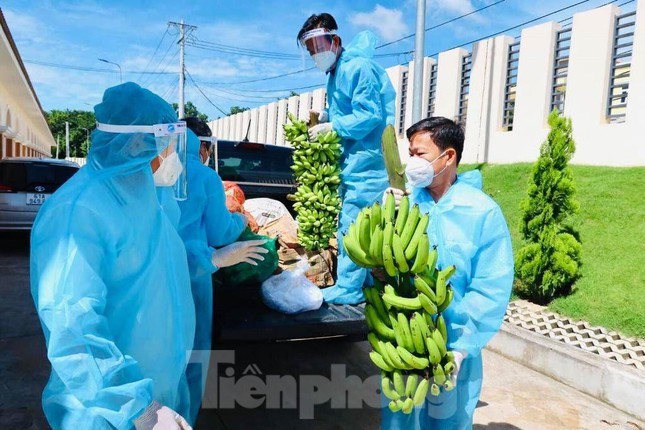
241	316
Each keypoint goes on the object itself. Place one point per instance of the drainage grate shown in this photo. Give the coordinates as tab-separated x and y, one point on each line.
597	340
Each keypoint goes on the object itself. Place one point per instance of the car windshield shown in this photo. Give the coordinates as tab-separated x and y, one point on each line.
26	176
250	163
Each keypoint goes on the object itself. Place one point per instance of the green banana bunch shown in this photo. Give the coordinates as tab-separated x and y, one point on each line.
317	174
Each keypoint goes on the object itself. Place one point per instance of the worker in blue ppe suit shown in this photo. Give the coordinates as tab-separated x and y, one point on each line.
205	224
469	230
111	282
361	103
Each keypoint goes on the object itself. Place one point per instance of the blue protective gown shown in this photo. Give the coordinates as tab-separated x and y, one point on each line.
361	103
469	230
205	223
110	281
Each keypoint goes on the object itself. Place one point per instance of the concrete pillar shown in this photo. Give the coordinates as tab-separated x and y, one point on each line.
282	119
449	83
262	124
293	105
246	122
588	79
253	133
318	99
239	126
272	123
303	109
535	77
427	65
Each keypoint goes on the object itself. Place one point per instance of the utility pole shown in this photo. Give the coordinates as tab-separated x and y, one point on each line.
66	139
419	48
184	30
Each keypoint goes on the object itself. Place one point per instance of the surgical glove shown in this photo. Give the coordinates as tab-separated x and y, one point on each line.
239	252
321	128
459	358
157	417
322	115
398	195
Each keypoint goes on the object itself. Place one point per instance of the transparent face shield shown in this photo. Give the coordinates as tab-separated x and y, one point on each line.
211	142
322	46
170	140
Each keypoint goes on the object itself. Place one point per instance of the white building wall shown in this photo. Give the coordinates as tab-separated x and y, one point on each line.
272	121
318	99
246	123
449	83
253	131
303	109
262	124
282	119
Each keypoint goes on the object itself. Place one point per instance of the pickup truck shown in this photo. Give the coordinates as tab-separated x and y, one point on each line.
239	314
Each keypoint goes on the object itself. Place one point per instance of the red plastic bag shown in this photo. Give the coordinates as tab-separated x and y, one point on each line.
235	203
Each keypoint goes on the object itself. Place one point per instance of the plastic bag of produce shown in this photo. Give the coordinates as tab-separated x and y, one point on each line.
291	292
244	273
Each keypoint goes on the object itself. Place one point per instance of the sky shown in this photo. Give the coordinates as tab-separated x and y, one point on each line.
237	47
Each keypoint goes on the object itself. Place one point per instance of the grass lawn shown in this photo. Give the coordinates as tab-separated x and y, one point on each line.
611	292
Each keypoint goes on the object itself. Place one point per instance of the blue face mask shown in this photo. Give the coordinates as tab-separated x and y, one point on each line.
420	172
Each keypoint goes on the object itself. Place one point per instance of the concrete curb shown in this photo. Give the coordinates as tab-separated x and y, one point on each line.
611	382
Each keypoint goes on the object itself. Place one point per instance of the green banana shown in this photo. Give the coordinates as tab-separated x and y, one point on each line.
399	385
411	249
388	289
408	342
423	251
427	304
395	406
430	321
388	390
373	340
447	301
376	245
439	374
440	342
411	384
448	385
442	281
399	255
421	392
388	258
417	335
382	330
364	232
386	357
423	327
398	333
410	225
449	367
375	216
434	354
378	304
435	390
402	303
402	215
394	356
389	208
412	360
354	251
377	359
408	404
423	287
432	262
441	326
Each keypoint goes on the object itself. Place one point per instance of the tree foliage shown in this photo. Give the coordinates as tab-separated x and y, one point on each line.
191	110
80	122
237	109
548	265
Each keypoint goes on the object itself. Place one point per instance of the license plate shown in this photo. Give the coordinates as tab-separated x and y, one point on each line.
36	199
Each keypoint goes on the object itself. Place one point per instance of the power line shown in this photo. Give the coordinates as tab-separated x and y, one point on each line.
443	23
156	49
172	43
202	93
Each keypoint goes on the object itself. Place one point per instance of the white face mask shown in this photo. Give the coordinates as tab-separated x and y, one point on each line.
168	171
420	172
324	60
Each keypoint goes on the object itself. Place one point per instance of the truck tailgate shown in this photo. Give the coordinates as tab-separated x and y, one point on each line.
240	315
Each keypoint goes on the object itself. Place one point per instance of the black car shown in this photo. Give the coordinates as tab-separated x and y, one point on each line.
239	314
260	170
